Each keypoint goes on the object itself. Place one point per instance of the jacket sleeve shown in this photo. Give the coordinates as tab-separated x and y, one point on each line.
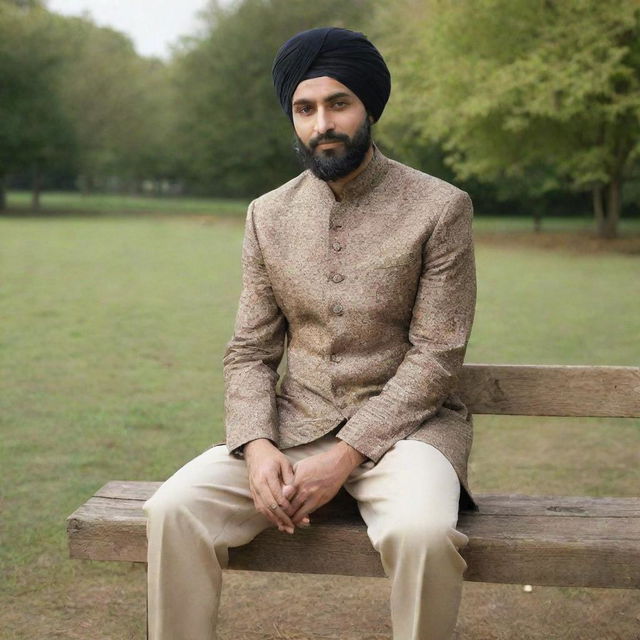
254	352
439	332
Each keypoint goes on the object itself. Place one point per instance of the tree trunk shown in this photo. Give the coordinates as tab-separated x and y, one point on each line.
537	221
614	204
36	188
607	218
3	194
598	209
86	184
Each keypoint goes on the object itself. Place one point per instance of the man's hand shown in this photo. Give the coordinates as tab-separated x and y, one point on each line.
269	470
318	478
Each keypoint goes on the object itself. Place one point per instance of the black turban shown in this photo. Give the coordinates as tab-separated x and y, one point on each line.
345	56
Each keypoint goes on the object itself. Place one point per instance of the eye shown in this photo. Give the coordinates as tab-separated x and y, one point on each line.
303	109
340	104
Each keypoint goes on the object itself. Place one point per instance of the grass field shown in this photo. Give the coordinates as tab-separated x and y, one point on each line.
112	334
96	204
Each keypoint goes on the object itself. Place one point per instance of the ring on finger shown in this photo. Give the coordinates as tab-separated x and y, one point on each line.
273	506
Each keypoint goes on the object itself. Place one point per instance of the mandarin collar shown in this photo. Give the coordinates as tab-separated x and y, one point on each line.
364	182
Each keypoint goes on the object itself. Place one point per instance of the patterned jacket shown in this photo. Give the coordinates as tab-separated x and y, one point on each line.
371	299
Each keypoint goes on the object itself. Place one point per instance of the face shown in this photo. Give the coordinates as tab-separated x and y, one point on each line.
332	127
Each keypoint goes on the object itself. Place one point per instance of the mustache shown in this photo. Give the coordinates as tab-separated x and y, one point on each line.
330	136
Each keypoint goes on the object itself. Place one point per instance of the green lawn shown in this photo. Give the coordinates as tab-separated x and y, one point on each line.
113	329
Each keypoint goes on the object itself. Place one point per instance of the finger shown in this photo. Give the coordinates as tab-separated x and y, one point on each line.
280	501
284	522
280	517
288	491
296	503
303	513
261	506
276	491
287	472
268	513
291	509
301	508
304	523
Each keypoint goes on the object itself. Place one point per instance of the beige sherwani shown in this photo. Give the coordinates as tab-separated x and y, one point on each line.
375	296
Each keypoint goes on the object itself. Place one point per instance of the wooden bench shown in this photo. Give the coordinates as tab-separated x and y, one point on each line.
521	539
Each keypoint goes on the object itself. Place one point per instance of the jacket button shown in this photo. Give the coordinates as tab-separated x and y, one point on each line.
337	308
335	357
336	246
337	277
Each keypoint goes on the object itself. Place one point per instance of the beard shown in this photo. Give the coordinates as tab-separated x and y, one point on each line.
331	164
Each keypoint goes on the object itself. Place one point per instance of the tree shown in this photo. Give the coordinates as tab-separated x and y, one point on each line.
77	97
35	132
111	95
532	95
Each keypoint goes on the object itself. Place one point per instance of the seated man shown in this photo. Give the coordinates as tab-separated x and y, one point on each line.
366	267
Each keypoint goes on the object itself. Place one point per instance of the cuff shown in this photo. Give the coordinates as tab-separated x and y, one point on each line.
366	446
237	450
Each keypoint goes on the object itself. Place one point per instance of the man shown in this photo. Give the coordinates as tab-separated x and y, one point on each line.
365	267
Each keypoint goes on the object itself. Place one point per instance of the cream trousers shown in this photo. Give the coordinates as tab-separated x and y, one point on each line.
409	501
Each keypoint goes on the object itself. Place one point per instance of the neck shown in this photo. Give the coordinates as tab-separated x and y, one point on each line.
337	186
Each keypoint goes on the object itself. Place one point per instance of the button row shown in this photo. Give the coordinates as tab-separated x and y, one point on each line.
336	308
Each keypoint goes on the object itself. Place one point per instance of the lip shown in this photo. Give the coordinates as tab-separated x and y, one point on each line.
330	144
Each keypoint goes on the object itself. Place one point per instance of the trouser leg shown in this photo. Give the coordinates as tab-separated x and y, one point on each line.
192	520
409	501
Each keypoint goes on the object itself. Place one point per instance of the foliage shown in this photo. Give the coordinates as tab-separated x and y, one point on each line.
533	96
118	103
233	137
528	104
35	130
76	96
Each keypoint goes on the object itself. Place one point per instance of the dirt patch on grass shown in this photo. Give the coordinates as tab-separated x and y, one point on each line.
262	606
292	607
578	242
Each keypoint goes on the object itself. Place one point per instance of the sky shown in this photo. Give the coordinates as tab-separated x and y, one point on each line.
152	24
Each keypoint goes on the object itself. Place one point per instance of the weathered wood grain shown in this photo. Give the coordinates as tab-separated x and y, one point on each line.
544	540
540	390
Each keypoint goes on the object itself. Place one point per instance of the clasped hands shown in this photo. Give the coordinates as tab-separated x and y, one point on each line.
286	494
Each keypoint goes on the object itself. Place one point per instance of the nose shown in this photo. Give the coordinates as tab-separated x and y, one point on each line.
324	121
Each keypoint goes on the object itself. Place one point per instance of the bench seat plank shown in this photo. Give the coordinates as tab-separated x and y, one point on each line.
542	540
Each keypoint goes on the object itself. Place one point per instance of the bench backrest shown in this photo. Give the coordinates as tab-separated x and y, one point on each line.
551	390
